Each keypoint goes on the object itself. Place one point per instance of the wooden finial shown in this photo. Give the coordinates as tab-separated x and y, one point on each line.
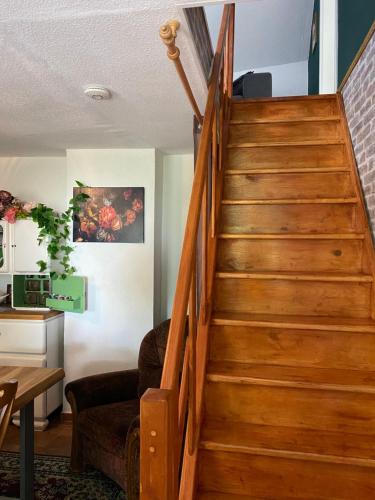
168	33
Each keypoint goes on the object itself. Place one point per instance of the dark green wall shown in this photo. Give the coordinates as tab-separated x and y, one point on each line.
355	20
314	60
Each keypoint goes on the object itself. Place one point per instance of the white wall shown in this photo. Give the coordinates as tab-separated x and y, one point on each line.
177	181
287	79
120	277
328	46
267	32
38	179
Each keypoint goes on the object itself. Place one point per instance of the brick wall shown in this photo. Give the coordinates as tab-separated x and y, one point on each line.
359	100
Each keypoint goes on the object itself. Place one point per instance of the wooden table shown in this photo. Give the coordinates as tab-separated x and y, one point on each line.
31	383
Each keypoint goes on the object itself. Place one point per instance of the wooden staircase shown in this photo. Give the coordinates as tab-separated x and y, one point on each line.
289	394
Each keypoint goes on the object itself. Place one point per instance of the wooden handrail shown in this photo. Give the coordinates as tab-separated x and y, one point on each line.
171	415
168	33
170	376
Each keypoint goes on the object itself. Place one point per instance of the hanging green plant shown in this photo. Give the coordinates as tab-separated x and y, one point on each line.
54	228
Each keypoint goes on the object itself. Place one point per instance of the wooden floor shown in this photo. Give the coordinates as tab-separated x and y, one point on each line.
55	440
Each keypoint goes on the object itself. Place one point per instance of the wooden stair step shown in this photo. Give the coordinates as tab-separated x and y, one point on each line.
290	218
303	156
323	399
285	132
270	478
294	254
298	276
341	323
306	347
291	201
291	236
285	170
247	121
281	144
288	442
247	109
318	295
357	381
247	185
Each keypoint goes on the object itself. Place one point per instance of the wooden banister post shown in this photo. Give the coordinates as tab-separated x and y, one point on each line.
159	443
168	33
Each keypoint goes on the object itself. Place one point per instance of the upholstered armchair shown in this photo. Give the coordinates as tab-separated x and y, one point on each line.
106	414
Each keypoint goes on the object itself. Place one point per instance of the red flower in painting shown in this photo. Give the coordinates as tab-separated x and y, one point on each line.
137	205
127	194
130	217
11	215
106	216
116	223
88	227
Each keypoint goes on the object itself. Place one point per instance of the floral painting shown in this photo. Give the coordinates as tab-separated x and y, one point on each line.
110	215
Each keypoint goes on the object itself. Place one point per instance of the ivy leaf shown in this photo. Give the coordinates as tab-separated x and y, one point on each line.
42	265
56	227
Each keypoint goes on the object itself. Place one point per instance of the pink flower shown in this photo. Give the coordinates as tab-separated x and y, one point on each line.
137	205
28	206
130	217
11	215
127	194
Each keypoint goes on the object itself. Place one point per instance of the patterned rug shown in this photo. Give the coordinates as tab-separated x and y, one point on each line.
55	481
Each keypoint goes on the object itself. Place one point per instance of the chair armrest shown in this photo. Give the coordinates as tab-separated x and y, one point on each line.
102	389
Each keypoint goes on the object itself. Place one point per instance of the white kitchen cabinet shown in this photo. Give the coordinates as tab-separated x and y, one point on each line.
39	343
4	247
25	250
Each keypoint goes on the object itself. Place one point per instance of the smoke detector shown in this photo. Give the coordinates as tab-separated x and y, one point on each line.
98	93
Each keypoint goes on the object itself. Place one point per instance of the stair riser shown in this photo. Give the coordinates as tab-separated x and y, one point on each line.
287	157
285	132
282	346
284	109
262	477
310	218
319	409
290	255
294	297
288	186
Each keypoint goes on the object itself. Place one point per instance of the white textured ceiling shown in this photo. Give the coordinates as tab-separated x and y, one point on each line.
51	49
268	32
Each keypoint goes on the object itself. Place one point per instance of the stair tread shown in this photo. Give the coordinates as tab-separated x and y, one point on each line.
292	376
294	98
286	144
290	201
301	276
290	236
295	322
292	442
285	170
286	120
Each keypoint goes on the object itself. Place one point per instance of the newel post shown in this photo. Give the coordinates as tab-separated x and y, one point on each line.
159	445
